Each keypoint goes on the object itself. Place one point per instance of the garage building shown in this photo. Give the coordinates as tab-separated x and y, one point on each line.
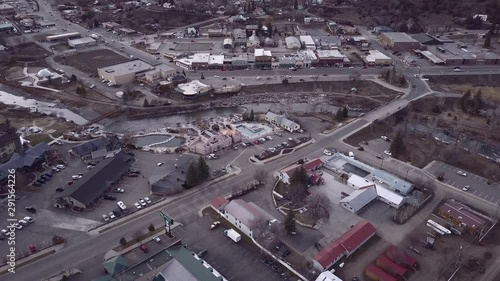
82	43
399	41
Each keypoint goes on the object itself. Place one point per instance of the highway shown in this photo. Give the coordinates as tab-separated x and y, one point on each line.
186	206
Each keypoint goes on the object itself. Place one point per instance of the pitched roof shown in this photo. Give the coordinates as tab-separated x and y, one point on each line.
356	235
329	254
380	273
218	202
246	212
461	213
399	256
391	266
115	265
86	148
26	158
93	183
169	178
361	197
187	267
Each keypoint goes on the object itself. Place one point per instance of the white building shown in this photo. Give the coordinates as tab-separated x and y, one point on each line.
359	199
292	43
375	57
308	42
384	194
123	73
193	89
327	276
210	141
161	71
282	122
216	61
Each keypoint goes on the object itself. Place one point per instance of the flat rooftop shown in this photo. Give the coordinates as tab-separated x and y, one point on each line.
329	54
134	66
399	37
84	40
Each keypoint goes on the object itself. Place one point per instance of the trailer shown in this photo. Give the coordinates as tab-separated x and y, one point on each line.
388	265
436	225
231	233
400	257
376	273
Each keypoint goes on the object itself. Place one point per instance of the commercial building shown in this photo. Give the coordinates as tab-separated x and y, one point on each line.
7	27
462	216
286	62
252	29
327	42
281	121
239	62
85	192
458	53
228	43
390	266
426	39
82	42
64	36
200	61
10	142
90	149
344	246
308	42
293	43
239	33
253	42
359	198
27	161
6	9
306	58
263	58
331	58
123	73
216	61
210	141
327	276
170	178
161	71
375	57
193	89
110	25
241	213
399	41
185	265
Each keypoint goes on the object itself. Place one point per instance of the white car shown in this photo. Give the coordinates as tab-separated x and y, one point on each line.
60	166
29	219
18	226
121	205
92	86
157	240
111	215
387	152
466	188
105	217
327	152
4	232
147	200
384	138
462	173
75	177
457	69
137	205
269	138
142	202
159	164
23	222
215	224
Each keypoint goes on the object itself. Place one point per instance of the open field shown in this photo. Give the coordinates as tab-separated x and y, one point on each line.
89	61
28	52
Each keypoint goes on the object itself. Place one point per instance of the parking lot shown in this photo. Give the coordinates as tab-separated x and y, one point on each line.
477	185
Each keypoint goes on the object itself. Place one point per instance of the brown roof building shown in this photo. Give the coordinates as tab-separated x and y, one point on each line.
461	215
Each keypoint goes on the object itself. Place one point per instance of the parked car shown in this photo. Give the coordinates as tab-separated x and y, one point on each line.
327	152
119	190
142	202
23	222
137	205
29	219
269	138
157	240
112	215
384	138
75	177
214	225
147	200
159	164
466	188
109	197
121	205
32	248
31	209
60	166
387	152
55	169
462	173
105	217
60	189
278	134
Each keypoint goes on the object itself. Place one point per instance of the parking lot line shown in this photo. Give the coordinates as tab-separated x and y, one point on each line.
492	199
448	181
498	201
453	184
475	191
481	195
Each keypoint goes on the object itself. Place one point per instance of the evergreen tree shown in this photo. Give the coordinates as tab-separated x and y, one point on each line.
151	228
184	73
289	223
397	145
146	102
252	115
338	115
192	175
477	102
72	78
123	241
345	112
464	102
202	76
203	169
299	177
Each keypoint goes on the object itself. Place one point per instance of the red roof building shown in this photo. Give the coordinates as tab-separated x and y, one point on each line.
345	245
218	202
390	266
313	165
376	273
400	257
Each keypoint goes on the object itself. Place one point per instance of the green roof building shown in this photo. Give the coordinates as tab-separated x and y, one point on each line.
115	265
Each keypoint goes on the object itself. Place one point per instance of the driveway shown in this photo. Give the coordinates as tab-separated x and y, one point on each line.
478	185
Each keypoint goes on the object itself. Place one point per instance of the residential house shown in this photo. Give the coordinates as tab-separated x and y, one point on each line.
252	30
85	192
239	33
253	42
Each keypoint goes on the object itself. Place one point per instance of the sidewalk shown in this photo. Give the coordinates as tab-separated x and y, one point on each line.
24	261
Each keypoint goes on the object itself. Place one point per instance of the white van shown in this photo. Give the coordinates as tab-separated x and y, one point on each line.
351	154
121	205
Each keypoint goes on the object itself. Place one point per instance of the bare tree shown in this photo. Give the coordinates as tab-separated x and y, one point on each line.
319	206
425	183
296	193
265	233
260	175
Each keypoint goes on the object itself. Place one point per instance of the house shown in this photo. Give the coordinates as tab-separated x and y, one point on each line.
10	142
462	216
252	29
210	141
359	199
228	43
115	265
241	214
85	192
185	265
253	42
170	177
283	122
239	33
26	161
312	169
105	144
344	246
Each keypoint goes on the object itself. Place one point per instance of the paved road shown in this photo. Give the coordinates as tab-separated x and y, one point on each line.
478	185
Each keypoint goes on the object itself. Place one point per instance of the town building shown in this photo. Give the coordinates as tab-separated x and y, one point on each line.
241	214
126	31
327	42
239	62
252	29
426	39
124	73
253	42
210	141
293	43
110	25
81	43
228	43
93	149
399	41
239	33
185	265
6	9
193	89
216	61
85	192
281	121
359	198
331	58
459	53
327	276
170	178
27	161
286	62
161	71
62	37
306	58
263	58
307	42
375	57
312	169
462	216
10	142
344	246
376	273
7	27
382	28
200	61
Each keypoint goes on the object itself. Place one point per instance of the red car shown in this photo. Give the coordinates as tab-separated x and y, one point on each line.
32	248
70	182
256	142
144	248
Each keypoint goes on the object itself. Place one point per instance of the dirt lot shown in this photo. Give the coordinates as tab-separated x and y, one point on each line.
422	147
88	62
488	84
28	52
149	20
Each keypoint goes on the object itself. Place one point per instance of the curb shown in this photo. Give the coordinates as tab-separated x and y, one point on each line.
265	161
